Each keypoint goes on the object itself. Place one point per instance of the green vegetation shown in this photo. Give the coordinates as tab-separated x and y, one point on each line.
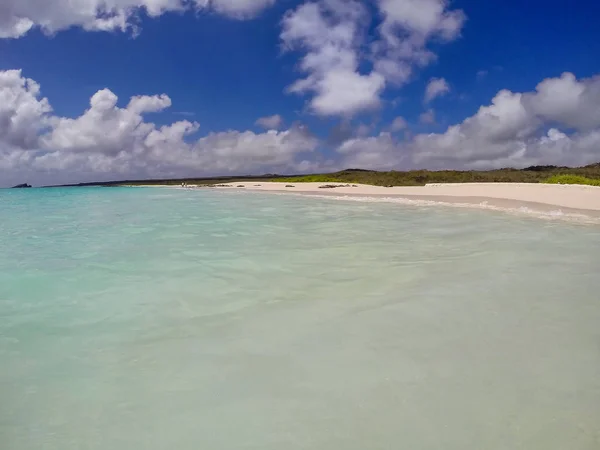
572	179
310	179
535	174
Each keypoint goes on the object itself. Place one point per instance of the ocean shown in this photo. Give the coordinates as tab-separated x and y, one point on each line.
154	318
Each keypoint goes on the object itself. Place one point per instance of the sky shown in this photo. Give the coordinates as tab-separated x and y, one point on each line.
98	90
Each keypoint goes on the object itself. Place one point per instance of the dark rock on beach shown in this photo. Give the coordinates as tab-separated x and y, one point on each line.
333	186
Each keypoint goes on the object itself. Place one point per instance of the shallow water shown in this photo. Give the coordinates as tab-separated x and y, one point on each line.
155	318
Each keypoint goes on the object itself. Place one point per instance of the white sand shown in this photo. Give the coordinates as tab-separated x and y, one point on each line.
540	197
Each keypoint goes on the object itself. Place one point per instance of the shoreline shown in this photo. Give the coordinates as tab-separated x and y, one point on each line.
558	201
575	201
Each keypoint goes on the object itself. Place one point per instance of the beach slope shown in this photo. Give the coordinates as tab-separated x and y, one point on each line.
571	199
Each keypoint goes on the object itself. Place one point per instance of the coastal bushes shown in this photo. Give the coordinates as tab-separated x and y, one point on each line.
309	179
535	174
572	179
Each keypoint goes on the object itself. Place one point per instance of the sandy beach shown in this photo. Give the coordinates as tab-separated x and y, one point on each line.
568	199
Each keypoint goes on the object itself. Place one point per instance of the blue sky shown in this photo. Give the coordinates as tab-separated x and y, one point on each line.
223	72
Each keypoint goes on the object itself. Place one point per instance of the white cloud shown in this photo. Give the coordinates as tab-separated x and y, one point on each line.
22	112
398	124
329	32
108	141
495	131
509	132
240	152
149	103
428	117
516	130
568	101
420	18
342	92
406	29
273	122
380	152
333	35
104	127
17	17
436	87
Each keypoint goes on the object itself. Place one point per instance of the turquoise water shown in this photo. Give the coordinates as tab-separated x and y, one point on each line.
158	319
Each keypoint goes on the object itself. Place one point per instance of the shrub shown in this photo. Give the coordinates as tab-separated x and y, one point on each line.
309	179
572	179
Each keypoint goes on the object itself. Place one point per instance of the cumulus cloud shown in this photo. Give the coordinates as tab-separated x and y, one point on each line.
421	18
568	101
104	127
113	140
238	152
406	28
545	126
22	111
398	124
511	131
436	87
428	117
108	141
329	32
380	152
17	17
333	34
273	122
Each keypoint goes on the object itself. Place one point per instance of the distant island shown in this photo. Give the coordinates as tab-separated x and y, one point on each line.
21	186
589	174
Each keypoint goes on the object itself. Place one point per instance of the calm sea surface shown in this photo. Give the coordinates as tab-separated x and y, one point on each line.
171	319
